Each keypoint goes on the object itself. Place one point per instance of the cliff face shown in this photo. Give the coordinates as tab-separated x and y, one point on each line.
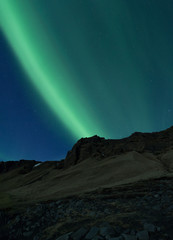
83	149
96	147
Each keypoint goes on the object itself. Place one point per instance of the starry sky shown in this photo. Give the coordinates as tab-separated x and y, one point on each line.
75	68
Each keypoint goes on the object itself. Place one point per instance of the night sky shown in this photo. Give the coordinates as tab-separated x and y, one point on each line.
78	68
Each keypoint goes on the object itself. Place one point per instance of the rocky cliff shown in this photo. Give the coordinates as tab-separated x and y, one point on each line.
97	147
103	190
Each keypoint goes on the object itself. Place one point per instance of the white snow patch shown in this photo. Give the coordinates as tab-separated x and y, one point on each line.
36	165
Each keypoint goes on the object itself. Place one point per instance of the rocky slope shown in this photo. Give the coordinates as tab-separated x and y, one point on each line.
138	211
96	147
103	189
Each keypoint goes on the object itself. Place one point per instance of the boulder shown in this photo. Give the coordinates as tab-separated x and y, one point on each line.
142	235
92	233
116	238
97	238
80	233
107	231
129	237
149	227
65	236
27	234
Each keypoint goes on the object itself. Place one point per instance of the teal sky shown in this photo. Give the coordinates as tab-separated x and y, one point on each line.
84	68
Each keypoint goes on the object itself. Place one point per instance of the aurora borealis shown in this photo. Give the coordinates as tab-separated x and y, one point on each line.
82	68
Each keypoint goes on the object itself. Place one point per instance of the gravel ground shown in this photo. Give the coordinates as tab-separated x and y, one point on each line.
142	211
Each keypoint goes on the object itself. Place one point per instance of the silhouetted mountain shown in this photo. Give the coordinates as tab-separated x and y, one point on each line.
96	147
104	189
10	165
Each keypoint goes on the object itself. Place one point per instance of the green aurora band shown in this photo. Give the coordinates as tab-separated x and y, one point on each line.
53	82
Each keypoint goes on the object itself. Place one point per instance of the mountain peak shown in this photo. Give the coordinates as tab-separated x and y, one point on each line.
99	147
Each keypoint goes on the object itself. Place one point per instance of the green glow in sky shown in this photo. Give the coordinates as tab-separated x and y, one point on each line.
103	67
46	68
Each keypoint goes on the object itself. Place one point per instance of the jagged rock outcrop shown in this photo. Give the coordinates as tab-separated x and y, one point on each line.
97	147
84	148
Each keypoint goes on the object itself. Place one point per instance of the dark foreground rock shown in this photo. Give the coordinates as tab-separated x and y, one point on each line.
139	211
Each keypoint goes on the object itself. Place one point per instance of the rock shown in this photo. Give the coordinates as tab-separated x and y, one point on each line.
79	204
129	237
158	229
60	164
105	224
17	219
170	208
65	236
149	227
80	233
156	208
27	234
97	238
19	234
36	238
92	233
10	165
118	230
92	214
127	231
142	235
132	232
28	223
116	238
106	211
58	202
104	231
156	142
83	149
27	229
52	204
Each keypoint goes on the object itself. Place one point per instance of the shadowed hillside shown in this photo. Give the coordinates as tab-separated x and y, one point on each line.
92	163
123	185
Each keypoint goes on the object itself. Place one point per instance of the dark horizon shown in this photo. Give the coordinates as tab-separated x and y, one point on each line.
57	160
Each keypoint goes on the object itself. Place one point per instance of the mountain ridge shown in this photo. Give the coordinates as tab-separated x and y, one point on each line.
125	182
91	164
98	147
